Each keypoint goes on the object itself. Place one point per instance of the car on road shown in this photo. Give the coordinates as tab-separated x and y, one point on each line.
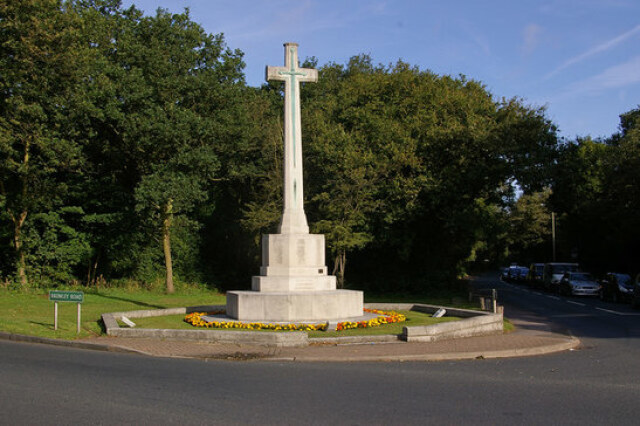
534	277
504	273
578	284
616	287
553	273
517	273
635	298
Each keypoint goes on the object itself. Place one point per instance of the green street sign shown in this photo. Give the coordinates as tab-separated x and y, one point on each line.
66	296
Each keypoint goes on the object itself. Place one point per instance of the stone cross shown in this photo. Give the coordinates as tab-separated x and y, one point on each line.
294	220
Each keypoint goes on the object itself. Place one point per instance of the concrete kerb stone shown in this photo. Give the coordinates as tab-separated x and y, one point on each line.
474	323
66	343
570	344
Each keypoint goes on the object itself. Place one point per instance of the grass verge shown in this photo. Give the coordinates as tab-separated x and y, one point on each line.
31	312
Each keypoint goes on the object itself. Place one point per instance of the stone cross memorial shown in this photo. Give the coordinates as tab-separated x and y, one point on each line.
293	284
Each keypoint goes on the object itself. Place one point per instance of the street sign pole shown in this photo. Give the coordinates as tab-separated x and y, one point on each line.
66	296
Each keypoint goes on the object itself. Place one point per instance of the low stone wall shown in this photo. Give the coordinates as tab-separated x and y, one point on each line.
110	320
473	323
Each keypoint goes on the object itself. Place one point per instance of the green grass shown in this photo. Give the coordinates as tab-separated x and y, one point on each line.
508	326
172	322
31	313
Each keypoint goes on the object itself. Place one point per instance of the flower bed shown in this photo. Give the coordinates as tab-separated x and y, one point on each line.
195	319
383	318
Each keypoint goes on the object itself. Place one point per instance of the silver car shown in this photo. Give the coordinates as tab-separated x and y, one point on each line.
579	284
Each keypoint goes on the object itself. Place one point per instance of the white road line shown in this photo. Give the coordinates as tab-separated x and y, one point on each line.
576	303
611	312
625	314
552	297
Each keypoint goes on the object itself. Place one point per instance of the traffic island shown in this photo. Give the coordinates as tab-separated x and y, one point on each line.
473	323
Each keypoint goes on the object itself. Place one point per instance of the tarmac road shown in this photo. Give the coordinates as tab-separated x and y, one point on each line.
596	384
610	331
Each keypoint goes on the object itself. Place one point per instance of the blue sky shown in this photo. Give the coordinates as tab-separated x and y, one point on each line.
579	58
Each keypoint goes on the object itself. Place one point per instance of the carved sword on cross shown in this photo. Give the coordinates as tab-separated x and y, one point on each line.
293	218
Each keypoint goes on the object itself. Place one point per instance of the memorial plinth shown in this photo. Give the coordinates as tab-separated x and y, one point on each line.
293	284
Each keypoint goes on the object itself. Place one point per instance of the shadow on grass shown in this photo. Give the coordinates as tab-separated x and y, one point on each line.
46	325
133	301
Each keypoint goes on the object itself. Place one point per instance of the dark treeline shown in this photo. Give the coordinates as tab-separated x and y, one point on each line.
131	149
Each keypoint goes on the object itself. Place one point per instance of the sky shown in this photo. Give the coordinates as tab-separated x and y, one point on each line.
578	58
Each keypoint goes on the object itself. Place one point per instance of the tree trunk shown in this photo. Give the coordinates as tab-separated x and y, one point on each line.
166	244
338	267
18	220
17	243
92	270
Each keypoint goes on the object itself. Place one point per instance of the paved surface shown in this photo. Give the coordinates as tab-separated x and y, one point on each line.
530	338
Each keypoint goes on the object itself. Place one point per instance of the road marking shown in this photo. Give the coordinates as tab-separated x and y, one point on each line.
576	303
619	313
610	311
552	297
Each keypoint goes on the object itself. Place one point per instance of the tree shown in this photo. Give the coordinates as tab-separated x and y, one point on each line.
42	60
410	170
530	227
579	185
174	188
157	109
355	156
621	195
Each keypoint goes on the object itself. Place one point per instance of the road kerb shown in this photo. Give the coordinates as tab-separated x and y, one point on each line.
571	343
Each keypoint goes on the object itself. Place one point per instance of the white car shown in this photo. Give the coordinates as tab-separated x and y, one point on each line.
579	284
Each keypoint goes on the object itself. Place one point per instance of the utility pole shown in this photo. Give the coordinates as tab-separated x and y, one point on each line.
553	234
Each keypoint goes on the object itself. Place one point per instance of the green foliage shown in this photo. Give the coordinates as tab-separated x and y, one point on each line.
131	149
596	193
56	248
530	228
42	59
408	169
153	117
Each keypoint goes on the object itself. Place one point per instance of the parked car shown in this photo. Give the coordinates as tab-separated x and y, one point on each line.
521	274
517	273
616	287
534	277
553	273
504	274
635	298
579	284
